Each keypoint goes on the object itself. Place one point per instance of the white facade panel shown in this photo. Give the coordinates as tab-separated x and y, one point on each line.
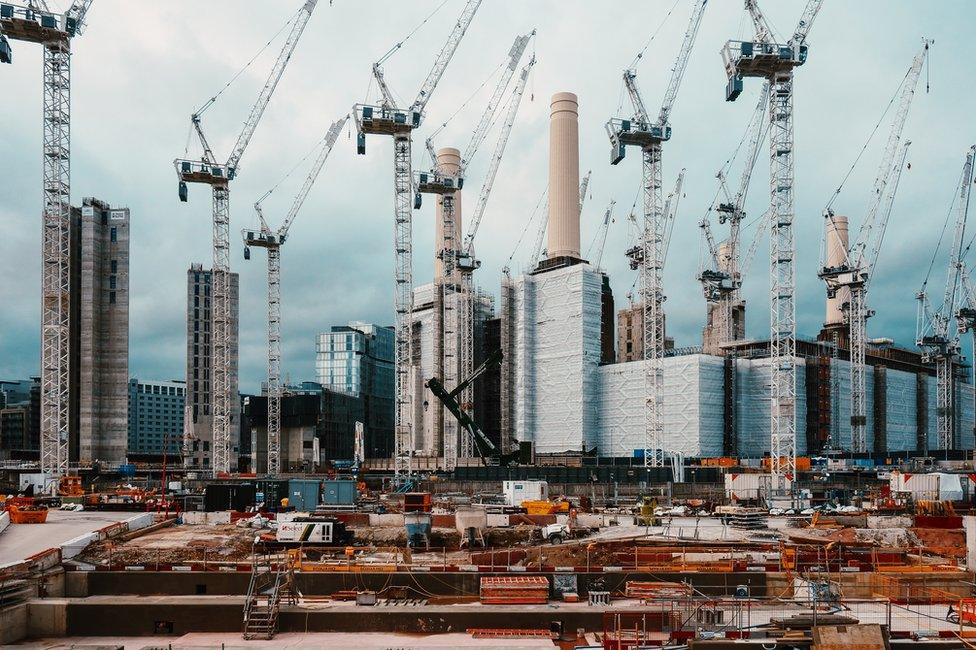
692	406
753	412
557	327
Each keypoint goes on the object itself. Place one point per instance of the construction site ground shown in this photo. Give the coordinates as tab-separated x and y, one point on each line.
20	541
233	543
232	641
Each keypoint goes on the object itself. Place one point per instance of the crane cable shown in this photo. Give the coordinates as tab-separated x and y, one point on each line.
640	54
393	50
938	245
316	147
210	102
528	222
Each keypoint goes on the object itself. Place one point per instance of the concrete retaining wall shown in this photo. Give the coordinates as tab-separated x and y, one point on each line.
214	583
191	518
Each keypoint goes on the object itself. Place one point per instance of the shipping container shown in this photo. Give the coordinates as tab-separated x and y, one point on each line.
518	491
228	496
920	486
304	494
341	492
270	493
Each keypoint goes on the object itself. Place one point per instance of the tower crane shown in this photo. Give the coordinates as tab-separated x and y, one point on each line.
35	23
854	272
639	130
775	62
208	171
722	279
455	356
601	236
933	335
387	119
537	249
272	242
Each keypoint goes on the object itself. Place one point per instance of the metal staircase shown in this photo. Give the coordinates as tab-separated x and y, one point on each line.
268	586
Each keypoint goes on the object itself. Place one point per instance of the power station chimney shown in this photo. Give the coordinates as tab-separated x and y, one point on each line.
448	164
836	237
564	217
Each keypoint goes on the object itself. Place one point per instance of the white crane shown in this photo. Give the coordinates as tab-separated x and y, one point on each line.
775	63
538	251
454	349
387	119
854	272
639	130
933	335
600	240
272	242
218	175
35	23
721	280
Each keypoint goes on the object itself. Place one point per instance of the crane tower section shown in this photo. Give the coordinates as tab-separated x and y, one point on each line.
775	62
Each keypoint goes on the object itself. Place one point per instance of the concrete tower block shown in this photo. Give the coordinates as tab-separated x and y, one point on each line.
564	222
449	164
836	238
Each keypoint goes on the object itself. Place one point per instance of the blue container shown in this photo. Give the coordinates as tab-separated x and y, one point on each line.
341	492
304	494
127	469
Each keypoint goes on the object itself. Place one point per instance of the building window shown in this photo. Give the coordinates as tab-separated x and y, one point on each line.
114	265
111	297
206	445
112	282
114	234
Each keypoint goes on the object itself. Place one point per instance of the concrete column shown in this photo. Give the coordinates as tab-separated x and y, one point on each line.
449	164
836	238
564	221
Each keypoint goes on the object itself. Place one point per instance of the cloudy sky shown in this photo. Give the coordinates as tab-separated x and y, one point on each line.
142	67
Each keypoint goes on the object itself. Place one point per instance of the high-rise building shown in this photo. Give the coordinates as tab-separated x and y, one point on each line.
156	417
99	332
199	356
630	334
357	360
20	419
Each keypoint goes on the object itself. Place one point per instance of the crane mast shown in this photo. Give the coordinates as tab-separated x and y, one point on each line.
602	234
775	63
639	131
218	176
933	336
272	242
386	119
722	280
54	33
454	345
854	272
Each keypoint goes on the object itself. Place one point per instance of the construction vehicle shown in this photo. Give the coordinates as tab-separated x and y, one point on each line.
556	533
486	449
644	511
323	531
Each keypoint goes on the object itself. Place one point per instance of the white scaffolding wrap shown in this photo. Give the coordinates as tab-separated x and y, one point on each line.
692	406
752	415
840	416
557	349
902	410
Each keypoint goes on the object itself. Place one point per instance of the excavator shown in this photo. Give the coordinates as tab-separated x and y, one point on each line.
490	454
